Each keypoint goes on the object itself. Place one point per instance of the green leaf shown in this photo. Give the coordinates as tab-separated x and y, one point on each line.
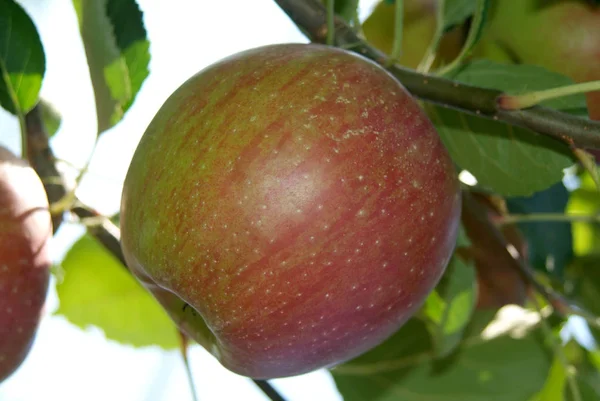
22	59
500	369
117	51
347	9
449	307
457	11
51	117
475	31
98	291
549	244
510	161
555	385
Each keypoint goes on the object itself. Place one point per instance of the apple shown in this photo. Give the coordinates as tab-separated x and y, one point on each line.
290	206
562	36
419	27
25	230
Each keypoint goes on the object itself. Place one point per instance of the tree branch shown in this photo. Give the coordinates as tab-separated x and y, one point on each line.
310	17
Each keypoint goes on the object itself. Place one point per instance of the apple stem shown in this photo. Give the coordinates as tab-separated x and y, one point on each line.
398	27
183	348
331	22
547	217
518	102
268	390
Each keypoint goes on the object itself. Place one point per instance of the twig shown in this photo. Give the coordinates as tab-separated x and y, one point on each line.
547	217
42	160
310	17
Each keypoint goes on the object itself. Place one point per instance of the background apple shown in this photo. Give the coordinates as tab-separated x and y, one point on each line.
419	27
291	206
562	36
25	228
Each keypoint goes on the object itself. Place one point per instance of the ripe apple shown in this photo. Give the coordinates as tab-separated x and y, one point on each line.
562	36
25	230
419	26
291	206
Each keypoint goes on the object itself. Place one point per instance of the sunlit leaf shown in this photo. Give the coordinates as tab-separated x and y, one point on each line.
117	51
97	290
22	59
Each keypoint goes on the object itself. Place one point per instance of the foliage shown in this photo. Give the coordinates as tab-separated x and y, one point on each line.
450	350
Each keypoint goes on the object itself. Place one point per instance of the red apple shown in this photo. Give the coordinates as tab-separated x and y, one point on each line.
291	206
25	230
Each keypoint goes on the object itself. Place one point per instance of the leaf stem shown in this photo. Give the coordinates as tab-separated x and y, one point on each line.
268	390
310	17
547	217
398	27
558	351
516	102
330	22
472	38
183	349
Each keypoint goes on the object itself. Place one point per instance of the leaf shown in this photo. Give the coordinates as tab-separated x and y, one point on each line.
510	161
457	11
549	244
98	291
475	31
22	59
500	369
555	385
117	51
51	117
347	9
449	307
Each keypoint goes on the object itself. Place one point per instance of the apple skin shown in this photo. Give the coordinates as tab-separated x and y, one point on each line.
25	230
419	27
562	36
290	206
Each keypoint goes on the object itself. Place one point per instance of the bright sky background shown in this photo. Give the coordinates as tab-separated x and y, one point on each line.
67	363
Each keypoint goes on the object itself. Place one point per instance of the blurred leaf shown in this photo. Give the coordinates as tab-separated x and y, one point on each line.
117	51
401	368
457	11
51	117
22	59
549	244
347	9
97	290
449	307
510	161
587	372
585	200
554	388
